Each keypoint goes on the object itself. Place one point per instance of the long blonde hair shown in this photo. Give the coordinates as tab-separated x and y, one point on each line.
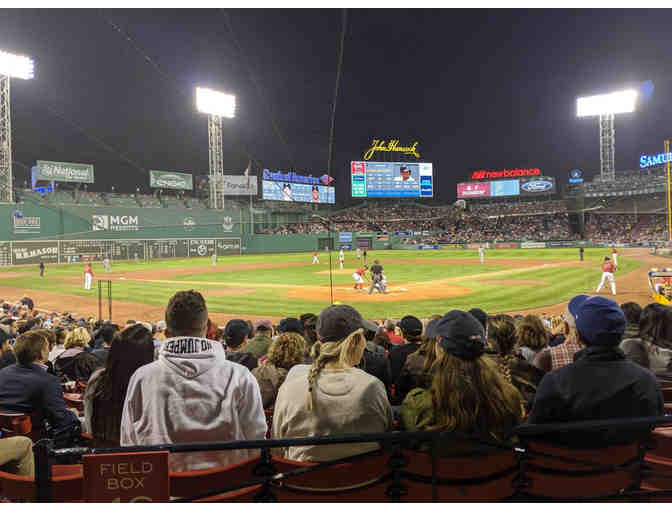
473	397
347	351
78	337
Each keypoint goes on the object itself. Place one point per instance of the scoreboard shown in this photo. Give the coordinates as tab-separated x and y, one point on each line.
380	179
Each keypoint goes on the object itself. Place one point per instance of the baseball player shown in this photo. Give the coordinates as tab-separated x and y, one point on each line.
481	255
360	277
88	276
364	255
341	258
614	255
41	269
214	260
608	268
359	253
137	259
376	277
106	264
315	259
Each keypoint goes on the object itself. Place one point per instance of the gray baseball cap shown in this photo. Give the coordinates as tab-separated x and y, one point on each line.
338	321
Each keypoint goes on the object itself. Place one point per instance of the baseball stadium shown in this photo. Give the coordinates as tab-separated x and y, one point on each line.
323	311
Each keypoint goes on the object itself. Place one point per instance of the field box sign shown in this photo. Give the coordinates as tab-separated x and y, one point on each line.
171	180
64	172
140	477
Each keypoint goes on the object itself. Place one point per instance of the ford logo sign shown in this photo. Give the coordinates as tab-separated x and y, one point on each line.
537	186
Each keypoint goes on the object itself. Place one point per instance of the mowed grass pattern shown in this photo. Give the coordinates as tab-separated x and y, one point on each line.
408	267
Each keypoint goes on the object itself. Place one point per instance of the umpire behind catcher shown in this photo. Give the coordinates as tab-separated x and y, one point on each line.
376	276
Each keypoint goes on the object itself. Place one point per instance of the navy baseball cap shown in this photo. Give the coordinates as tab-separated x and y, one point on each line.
600	321
576	303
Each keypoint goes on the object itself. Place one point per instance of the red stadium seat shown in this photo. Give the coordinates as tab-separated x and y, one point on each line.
482	478
362	480
67	485
194	483
563	479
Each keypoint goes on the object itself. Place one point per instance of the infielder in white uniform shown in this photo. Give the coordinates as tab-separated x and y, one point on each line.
214	259
608	269
359	253
341	258
481	254
106	264
315	259
88	277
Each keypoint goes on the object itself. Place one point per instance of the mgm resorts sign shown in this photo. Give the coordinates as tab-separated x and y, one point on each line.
114	223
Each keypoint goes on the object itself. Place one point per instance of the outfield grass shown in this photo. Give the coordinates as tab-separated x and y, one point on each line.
408	267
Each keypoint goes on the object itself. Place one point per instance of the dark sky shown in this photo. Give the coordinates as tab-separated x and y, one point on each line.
484	88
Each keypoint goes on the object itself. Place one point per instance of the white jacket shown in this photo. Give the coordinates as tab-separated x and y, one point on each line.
193	394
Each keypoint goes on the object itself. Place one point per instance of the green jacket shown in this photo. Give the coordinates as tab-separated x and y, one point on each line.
258	346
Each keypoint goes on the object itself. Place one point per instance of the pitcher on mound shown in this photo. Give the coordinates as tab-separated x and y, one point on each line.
608	268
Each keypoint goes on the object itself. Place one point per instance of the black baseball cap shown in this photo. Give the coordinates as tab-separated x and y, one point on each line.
235	332
410	325
337	321
291	325
462	335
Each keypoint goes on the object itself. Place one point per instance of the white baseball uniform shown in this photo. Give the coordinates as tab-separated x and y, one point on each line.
480	254
341	258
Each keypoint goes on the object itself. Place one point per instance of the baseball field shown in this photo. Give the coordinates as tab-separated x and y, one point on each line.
280	285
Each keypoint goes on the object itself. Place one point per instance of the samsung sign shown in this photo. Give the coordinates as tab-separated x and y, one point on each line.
649	160
536	186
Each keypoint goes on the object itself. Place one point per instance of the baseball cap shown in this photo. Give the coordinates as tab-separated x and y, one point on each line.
410	325
337	321
576	303
461	335
309	320
430	329
600	321
290	325
264	324
235	332
480	315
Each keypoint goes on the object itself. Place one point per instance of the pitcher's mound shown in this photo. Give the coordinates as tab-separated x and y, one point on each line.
394	293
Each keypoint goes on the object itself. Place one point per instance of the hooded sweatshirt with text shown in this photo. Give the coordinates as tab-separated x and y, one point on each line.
192	393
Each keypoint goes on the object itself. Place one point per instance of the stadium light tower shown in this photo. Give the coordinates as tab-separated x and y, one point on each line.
11	66
606	106
216	105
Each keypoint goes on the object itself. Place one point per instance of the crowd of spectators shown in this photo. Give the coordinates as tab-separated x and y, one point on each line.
605	227
188	379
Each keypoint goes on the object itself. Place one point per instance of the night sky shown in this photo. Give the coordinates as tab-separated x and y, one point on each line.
479	89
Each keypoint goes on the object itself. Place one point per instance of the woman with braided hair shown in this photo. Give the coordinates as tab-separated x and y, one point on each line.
523	375
333	398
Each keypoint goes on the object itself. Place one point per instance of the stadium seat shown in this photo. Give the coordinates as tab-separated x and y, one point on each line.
558	473
194	483
67	485
667	394
362	480
482	478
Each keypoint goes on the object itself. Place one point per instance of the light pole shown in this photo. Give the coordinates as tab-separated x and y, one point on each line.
606	106
11	66
216	105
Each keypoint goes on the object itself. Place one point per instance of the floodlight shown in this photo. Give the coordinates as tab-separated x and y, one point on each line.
215	103
607	104
16	66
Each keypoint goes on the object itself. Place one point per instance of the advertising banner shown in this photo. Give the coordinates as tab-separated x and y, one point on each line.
171	180
537	185
475	246
345	237
237	185
473	189
293	192
26	224
64	172
561	244
117	223
505	245
34	252
505	188
532	244
453	246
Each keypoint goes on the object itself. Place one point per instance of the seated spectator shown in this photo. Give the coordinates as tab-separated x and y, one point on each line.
160	331
600	384
562	354
524	376
411	334
261	341
107	334
28	388
334	398
632	345
106	390
235	337
7	356
192	393
309	321
389	329
655	328
532	337
286	351
211	332
417	371
75	364
482	317
16	456
290	325
382	339
468	394
375	358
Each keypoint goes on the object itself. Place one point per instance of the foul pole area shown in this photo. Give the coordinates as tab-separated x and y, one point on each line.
669	205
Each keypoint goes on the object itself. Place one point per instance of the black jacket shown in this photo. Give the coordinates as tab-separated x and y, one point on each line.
76	368
377	365
600	384
398	355
30	389
243	358
8	358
